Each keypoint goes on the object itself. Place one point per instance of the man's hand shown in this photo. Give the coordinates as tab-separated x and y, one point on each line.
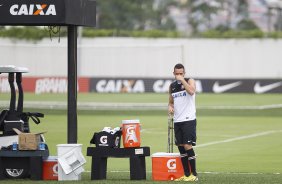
179	78
170	109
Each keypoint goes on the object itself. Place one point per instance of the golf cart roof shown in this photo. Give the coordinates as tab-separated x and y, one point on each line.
12	69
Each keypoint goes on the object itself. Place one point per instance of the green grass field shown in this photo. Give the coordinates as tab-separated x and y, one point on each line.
234	145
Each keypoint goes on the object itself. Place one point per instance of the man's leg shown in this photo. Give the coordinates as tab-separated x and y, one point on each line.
184	160
191	158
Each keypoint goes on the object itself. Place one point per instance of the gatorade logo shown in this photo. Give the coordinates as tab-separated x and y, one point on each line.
171	164
130	133
55	169
33	9
130	130
104	139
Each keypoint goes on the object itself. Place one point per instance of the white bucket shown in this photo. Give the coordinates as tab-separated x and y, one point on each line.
70	161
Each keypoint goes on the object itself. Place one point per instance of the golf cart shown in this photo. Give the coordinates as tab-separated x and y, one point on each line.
14	117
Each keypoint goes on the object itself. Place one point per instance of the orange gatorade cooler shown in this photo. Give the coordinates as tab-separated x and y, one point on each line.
50	168
131	133
166	166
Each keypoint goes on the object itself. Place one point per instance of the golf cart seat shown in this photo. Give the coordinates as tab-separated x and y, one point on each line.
12	117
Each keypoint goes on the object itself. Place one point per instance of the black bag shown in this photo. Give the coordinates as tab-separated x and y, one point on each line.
9	125
106	139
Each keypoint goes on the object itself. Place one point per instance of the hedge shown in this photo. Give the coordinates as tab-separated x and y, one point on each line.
38	33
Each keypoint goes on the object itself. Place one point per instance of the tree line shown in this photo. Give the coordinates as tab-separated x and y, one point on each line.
153	18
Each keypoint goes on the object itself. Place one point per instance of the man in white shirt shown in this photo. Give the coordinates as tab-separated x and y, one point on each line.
182	94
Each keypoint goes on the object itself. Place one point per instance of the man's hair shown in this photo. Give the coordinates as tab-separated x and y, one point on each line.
179	66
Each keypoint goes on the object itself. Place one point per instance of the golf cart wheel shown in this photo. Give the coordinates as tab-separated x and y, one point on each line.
15	173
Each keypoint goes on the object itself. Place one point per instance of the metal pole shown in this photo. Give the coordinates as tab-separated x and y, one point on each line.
79	42
170	135
72	84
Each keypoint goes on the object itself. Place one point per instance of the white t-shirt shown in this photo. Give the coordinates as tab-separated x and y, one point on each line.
184	103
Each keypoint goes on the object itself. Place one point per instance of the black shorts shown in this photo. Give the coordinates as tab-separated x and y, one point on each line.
185	132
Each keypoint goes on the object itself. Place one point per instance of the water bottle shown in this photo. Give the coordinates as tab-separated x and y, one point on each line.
14	146
41	146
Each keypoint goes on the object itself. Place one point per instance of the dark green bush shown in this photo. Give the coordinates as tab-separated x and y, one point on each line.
38	33
90	32
247	24
232	34
274	35
30	33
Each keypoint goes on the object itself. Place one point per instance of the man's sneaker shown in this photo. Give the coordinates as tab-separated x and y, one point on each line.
182	178
191	178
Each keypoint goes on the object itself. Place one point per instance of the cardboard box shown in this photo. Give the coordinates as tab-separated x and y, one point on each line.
28	141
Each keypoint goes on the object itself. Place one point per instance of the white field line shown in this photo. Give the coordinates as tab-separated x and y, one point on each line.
220	142
205	172
258	107
127	106
225	141
239	138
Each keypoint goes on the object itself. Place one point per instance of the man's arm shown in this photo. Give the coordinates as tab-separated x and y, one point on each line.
189	86
170	103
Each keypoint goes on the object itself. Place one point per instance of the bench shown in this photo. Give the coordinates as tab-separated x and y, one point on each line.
136	160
